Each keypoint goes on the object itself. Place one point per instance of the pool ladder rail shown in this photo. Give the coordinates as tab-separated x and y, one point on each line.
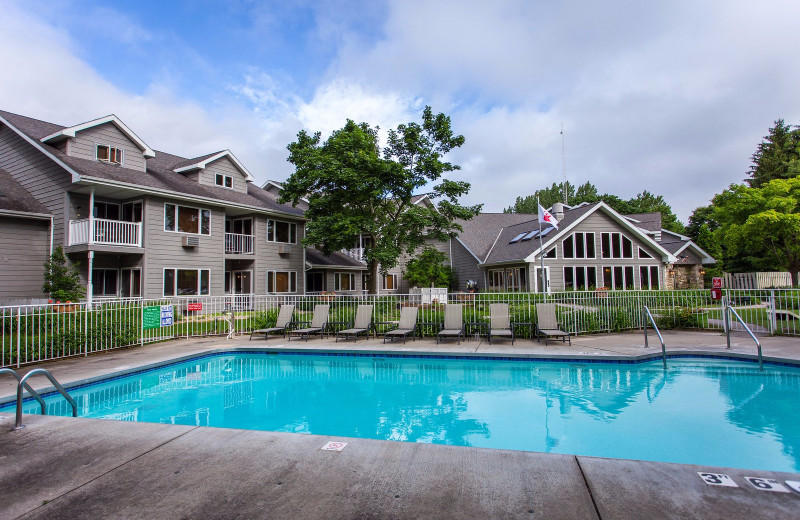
649	316
728	310
22	385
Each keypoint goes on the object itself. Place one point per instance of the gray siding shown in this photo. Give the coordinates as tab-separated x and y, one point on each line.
225	167
38	174
466	266
163	249
330	282
268	259
84	145
24	248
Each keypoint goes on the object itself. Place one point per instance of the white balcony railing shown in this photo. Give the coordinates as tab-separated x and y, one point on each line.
108	232
239	244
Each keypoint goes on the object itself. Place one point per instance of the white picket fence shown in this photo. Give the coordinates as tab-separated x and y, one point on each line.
35	333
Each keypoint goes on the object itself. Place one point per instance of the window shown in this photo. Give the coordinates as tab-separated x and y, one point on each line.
619	277
132	212
130	283
106	210
616	245
104	282
109	154
185	219
186	282
648	277
551	253
579	245
582	278
226	181
497	280
644	254
513	279
344	282
281	281
390	282
278	231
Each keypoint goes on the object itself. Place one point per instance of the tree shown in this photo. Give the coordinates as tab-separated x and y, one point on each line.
429	269
646	202
777	156
760	227
701	216
62	282
355	191
547	197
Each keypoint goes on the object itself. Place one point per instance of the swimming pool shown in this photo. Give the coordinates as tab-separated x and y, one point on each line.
699	411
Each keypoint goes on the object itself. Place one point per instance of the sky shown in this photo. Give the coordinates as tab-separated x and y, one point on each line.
671	97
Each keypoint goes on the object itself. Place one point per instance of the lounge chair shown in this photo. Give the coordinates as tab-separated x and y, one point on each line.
500	322
317	325
547	324
282	324
453	322
362	325
406	326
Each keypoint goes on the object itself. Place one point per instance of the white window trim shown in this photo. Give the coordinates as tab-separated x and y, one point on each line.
383	282
621	248
199	224
131	269
224	176
337	284
175	282
94	280
274	221
292	274
109	161
641	250
650	277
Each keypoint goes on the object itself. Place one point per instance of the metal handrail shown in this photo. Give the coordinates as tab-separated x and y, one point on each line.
646	345
728	332
27	387
22	382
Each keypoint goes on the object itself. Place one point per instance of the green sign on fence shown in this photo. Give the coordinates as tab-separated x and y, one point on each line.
151	317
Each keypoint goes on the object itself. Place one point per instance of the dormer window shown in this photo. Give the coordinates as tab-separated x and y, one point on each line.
109	154
226	181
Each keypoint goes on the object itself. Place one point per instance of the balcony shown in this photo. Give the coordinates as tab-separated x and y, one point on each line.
105	231
238	244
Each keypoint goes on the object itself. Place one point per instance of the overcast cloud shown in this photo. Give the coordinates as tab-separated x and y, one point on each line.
672	97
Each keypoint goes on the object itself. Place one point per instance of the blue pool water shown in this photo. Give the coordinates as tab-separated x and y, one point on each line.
708	412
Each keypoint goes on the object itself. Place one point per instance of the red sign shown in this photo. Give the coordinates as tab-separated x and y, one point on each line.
716	294
716	282
194	307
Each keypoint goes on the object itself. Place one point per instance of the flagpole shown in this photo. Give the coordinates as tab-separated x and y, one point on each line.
541	246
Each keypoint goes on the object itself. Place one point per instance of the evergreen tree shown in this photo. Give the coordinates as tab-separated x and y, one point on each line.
61	281
777	156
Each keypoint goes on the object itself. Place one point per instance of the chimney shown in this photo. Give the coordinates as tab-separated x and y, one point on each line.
558	211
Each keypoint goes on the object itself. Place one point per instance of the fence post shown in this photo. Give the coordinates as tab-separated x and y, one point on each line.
773	321
19	326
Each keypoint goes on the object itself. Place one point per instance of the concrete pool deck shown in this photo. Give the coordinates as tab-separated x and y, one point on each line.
84	468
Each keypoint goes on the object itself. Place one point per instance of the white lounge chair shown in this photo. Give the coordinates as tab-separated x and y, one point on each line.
362	324
500	323
406	326
547	325
317	325
453	322
282	324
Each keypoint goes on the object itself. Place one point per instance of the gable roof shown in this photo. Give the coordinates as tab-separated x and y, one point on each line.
648	221
480	232
676	247
159	179
200	163
72	130
14	198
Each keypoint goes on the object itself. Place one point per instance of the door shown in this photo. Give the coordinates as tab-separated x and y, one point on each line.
241	283
542	285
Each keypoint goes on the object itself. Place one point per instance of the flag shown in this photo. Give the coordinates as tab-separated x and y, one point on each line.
545	217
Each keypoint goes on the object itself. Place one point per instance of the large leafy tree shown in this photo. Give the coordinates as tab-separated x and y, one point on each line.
777	156
429	269
760	227
354	190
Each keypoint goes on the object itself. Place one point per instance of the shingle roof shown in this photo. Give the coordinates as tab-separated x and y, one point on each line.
504	251
159	173
481	230
190	162
647	221
316	258
14	197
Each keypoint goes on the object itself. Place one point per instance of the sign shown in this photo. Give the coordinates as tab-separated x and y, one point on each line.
194	306
717	479
166	315
334	446
767	484
794	484
151	317
716	294
156	316
716	282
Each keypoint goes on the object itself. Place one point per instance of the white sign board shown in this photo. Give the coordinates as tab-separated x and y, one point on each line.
794	484
166	315
334	446
717	479
767	484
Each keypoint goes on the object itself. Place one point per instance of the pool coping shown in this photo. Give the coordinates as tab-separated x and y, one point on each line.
618	359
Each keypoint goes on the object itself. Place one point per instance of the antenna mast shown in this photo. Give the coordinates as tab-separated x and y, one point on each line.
564	162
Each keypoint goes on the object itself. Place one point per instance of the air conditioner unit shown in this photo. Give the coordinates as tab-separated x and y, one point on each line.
191	241
284	249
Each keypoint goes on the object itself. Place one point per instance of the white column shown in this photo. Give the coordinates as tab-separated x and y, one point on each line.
89	279
91	220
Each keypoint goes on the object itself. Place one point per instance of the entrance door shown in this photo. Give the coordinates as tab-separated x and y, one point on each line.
315	282
542	285
239	284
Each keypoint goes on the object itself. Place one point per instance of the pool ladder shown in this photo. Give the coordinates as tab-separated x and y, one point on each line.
22	385
728	310
649	316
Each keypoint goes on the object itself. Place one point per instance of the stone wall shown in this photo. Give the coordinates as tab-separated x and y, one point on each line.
684	277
